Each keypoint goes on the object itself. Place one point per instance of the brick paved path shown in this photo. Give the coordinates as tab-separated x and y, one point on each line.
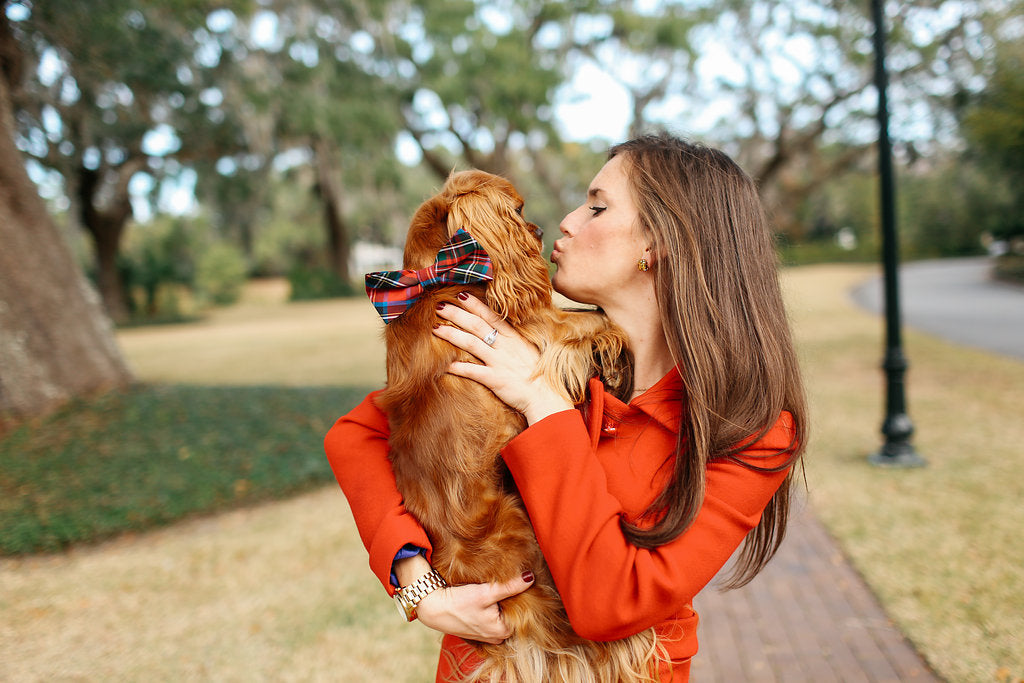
807	617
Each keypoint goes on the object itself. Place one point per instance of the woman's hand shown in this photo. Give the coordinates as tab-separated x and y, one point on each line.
471	611
507	365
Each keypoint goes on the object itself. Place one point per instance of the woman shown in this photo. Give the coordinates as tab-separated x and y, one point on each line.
637	501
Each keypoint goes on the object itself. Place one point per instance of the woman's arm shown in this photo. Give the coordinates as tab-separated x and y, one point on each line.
357	449
611	588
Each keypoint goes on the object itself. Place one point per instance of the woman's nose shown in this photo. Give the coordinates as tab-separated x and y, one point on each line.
568	225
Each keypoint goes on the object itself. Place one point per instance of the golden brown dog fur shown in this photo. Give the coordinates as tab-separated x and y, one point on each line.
447	431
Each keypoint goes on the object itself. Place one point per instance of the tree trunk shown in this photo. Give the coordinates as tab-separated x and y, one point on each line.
334	220
55	342
106	227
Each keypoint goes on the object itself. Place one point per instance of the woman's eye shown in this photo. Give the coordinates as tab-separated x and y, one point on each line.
519	210
597	209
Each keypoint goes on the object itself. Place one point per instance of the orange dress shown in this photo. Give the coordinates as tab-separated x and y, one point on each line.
578	476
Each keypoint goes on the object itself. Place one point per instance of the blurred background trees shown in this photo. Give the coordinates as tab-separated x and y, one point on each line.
184	145
115	97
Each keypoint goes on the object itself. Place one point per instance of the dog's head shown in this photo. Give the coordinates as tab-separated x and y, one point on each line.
490	209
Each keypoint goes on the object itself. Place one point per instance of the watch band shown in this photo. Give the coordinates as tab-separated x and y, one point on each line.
408	598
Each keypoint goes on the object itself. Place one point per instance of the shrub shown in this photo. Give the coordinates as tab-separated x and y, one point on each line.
1009	268
314	282
156	263
220	274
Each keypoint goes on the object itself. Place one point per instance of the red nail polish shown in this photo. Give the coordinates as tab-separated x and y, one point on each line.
463	295
528	576
437	325
440	305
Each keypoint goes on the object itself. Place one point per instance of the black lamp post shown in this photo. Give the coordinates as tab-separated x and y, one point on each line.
897	451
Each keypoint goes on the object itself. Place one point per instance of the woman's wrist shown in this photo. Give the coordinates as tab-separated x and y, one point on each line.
544	405
409	569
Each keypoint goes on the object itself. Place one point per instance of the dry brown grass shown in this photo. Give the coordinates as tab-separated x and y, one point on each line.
941	545
265	340
282	591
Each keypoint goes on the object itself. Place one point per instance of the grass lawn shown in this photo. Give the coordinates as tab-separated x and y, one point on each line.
230	410
159	453
281	590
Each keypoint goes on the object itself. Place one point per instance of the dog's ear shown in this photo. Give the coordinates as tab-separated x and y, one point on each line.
487	207
428	231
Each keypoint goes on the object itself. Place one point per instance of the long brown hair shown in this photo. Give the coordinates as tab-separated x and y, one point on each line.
717	287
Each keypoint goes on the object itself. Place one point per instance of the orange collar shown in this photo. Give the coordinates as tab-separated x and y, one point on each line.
660	403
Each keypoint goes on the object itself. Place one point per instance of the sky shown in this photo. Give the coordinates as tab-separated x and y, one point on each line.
592	105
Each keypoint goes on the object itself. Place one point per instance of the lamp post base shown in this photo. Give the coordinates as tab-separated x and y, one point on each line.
901	455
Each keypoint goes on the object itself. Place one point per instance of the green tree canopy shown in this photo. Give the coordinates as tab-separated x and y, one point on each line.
993	123
119	88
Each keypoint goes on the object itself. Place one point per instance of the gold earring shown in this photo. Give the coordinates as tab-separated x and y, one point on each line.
642	265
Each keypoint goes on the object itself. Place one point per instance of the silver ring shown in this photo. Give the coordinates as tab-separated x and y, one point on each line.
491	336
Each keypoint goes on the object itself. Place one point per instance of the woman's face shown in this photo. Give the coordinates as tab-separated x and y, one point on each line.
598	252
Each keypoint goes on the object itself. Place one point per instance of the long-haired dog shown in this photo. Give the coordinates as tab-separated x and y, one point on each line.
447	431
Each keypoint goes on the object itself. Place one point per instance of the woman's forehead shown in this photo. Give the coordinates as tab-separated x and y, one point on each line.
609	179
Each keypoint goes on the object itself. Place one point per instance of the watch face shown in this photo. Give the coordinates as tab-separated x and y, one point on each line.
403	607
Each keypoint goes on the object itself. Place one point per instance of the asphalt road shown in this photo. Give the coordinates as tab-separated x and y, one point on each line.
957	300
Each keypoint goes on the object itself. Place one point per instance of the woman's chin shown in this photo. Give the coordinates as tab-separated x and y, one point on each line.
558	284
569	293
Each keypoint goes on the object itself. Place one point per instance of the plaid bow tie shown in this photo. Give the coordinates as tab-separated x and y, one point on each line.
461	261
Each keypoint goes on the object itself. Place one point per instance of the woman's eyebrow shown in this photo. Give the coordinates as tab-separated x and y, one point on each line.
594	191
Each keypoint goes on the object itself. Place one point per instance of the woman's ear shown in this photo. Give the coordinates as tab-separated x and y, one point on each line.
647	259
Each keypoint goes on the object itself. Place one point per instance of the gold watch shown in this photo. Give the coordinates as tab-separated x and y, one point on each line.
408	598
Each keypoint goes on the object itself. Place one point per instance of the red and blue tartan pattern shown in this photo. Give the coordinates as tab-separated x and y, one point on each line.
460	261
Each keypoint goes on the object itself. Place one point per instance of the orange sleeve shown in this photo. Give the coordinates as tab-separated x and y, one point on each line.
612	589
357	449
